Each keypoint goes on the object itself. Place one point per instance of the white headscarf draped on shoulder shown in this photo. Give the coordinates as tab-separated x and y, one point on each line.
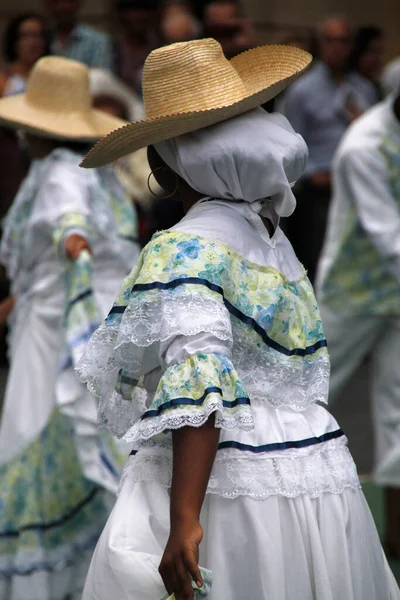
249	158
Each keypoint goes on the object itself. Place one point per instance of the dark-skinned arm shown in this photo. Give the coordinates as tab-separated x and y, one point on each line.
6	307
194	451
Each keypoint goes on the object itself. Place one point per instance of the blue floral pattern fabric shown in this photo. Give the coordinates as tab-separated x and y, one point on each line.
199	592
75	510
289	311
190	391
359	273
82	315
122	207
183	285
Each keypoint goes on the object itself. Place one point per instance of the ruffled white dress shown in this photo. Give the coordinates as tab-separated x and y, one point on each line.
217	317
58	473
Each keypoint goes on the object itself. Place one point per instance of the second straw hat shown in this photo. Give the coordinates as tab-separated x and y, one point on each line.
57	103
191	85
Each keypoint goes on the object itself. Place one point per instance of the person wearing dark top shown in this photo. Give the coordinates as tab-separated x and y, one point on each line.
138	21
368	56
73	39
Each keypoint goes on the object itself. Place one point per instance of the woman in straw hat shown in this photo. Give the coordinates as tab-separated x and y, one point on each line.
111	95
213	362
67	244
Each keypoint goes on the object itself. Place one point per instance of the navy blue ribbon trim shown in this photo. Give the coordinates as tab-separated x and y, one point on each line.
130	238
145	287
47	567
106	461
332	435
117	310
177	402
282	445
12	533
78	298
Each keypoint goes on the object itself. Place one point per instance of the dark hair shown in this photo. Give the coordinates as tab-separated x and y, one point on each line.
150	5
75	146
362	41
11	35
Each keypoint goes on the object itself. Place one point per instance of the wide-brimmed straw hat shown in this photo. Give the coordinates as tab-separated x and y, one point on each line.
57	104
191	85
104	83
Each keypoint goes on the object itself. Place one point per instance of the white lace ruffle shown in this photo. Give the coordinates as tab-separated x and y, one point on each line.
157	315
311	471
284	381
149	318
148	428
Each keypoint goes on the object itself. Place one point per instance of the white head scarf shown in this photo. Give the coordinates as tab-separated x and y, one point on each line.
252	157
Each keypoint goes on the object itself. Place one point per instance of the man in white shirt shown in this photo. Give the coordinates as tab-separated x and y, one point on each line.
320	106
358	282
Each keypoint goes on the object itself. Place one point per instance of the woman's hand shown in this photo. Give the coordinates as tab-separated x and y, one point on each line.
194	450
179	565
74	245
6	307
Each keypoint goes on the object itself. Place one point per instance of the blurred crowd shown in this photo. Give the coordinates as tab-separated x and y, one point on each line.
350	60
346	227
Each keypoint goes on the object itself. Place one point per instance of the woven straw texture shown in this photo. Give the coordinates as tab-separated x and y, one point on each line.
191	85
57	103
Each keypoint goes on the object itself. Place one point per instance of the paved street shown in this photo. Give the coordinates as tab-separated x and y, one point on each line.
352	411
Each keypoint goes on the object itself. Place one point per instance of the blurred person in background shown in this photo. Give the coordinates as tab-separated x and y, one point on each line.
297	41
391	76
358	285
199	7
73	39
320	106
138	22
178	23
224	21
112	96
67	245
367	57
25	40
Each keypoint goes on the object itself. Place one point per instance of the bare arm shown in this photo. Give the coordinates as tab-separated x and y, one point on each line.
6	307
194	451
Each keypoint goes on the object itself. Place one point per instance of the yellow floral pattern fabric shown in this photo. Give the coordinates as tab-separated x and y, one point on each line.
183	285
50	515
286	311
190	391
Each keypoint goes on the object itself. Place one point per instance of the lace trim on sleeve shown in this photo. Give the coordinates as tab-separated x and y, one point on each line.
189	392
123	345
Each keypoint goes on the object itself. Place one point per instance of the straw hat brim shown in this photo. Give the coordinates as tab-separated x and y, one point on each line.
266	71
89	126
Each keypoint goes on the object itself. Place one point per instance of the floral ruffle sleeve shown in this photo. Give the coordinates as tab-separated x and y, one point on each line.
161	301
190	391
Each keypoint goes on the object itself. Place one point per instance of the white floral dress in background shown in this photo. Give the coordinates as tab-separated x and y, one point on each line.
58	473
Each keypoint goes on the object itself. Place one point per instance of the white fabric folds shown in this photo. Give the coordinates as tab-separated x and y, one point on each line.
252	157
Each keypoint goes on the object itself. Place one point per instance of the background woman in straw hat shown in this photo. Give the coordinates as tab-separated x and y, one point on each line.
111	95
68	241
213	362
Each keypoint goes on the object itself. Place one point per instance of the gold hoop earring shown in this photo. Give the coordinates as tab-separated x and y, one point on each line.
162	197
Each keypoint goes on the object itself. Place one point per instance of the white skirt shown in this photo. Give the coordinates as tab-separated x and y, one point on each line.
324	548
